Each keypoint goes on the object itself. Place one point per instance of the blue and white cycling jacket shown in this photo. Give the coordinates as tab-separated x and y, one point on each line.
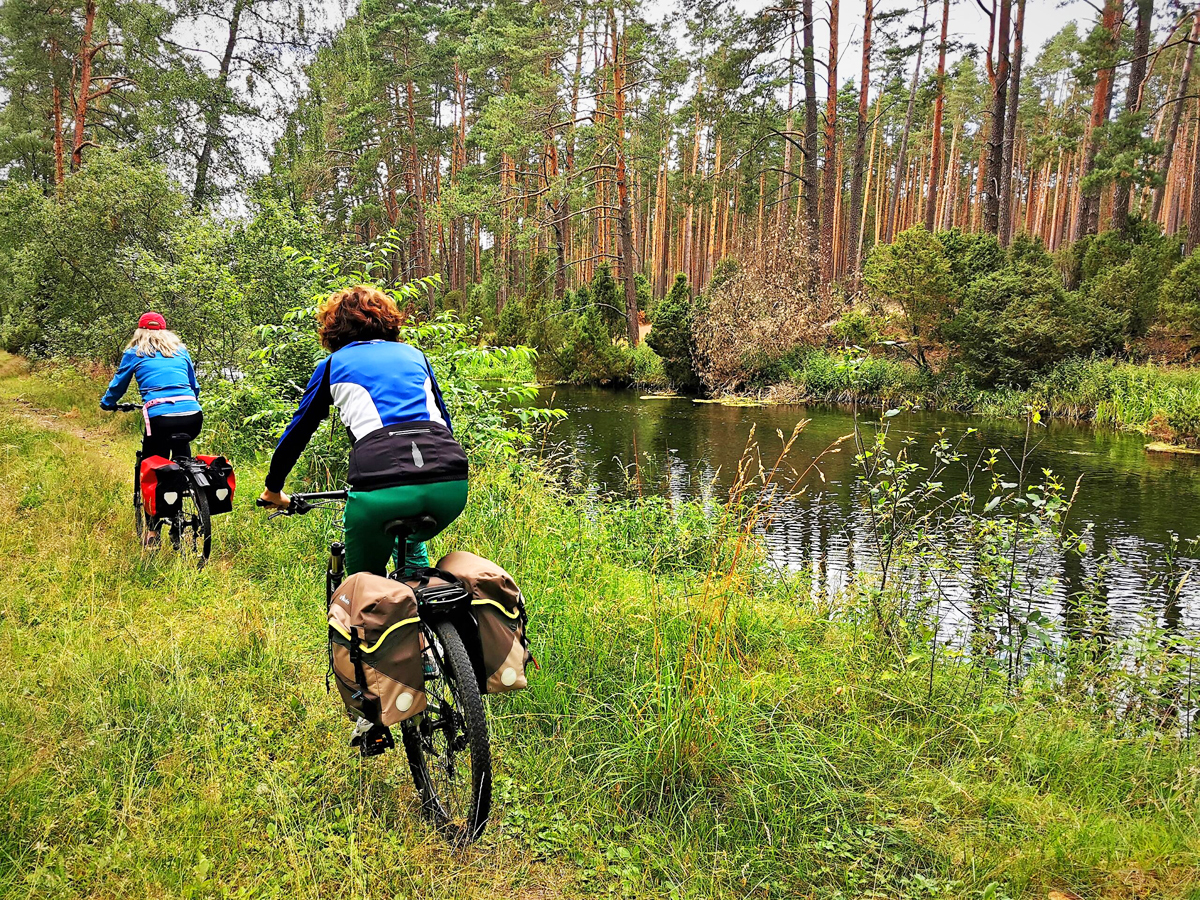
377	386
158	377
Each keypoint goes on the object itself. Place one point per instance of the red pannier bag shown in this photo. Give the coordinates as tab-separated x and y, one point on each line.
221	483
163	485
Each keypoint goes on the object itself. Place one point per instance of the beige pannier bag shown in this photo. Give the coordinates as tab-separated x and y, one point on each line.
375	644
499	608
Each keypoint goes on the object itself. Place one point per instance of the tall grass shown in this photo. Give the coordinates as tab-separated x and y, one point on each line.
697	727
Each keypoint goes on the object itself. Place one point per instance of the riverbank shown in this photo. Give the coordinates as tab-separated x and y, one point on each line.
1161	402
698	727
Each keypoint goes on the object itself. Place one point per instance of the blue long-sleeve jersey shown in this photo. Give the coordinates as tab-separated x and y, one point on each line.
157	377
373	384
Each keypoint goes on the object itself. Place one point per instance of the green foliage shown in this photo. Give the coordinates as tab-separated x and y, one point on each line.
671	335
1017	322
588	354
971	254
645	295
914	273
1179	296
608	300
511	323
83	269
857	328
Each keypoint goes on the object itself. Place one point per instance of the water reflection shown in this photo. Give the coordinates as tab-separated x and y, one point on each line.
1129	501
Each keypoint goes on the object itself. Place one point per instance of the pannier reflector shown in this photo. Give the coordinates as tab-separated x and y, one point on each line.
170	497
404	702
509	677
222	493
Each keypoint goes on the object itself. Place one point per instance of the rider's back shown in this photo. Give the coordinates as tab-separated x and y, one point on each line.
158	377
378	383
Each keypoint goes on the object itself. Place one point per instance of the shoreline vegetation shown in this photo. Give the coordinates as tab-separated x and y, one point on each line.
699	726
1130	396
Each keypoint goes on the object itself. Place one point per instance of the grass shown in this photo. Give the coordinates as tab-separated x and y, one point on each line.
691	733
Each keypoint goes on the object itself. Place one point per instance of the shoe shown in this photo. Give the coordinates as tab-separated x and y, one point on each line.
361	727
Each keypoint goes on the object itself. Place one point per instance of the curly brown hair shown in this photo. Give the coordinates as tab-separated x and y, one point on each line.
359	313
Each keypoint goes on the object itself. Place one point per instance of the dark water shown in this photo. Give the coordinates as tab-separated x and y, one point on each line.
1132	500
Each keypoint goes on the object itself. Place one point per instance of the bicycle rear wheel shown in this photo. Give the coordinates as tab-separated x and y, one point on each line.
448	750
191	526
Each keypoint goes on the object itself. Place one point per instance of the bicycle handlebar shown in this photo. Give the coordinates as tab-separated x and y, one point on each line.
128	407
301	504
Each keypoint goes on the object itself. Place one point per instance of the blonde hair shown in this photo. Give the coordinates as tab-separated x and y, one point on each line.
155	342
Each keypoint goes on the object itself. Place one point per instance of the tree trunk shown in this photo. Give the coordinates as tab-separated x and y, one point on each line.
212	115
1088	216
902	156
859	165
627	260
1133	102
419	181
935	171
1193	229
812	209
830	187
995	164
787	180
86	54
1010	131
56	106
1176	114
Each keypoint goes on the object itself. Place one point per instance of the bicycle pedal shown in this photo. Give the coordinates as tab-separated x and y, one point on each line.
373	741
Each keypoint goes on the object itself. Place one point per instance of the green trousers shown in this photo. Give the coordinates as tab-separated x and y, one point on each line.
368	547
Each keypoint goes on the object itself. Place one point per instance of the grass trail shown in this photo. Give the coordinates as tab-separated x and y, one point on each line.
166	732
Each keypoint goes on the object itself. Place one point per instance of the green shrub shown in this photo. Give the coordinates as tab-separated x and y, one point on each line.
971	255
856	328
914	273
511	323
1185	425
609	300
1016	323
1179	296
1125	297
646	368
671	335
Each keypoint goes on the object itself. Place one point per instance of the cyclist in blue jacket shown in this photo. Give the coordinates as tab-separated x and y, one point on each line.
166	379
404	460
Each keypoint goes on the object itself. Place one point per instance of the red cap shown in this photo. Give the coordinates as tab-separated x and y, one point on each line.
152	321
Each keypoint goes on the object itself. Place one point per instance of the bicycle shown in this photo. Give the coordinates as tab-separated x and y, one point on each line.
447	746
190	526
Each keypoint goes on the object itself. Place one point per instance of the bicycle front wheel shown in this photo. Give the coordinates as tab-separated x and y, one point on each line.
448	749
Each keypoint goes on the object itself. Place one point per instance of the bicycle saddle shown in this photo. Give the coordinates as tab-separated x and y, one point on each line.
182	437
422	527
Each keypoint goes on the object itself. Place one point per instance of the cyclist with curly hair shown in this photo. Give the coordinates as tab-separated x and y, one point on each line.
404	460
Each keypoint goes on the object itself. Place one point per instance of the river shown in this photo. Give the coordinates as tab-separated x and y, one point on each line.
1129	500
